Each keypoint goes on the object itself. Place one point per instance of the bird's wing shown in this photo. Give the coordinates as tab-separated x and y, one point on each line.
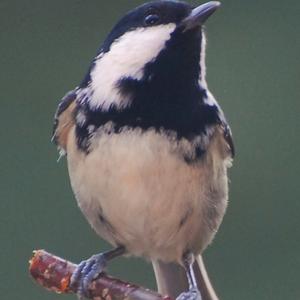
64	120
227	134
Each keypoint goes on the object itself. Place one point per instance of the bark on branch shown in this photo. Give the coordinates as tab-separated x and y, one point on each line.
54	273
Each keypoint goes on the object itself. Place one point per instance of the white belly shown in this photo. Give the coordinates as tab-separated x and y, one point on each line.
137	191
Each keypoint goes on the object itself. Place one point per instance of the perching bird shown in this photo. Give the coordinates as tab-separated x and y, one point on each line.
148	147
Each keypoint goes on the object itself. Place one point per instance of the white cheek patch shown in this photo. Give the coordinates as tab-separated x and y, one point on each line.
126	58
202	77
210	100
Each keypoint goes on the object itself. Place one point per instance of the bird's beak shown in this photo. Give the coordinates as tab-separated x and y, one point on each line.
199	15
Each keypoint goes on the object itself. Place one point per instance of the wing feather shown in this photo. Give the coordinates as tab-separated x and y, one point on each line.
64	120
228	138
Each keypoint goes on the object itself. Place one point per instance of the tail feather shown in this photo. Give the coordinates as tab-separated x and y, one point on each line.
171	279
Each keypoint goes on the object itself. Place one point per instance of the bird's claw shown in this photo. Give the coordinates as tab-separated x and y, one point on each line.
86	272
192	294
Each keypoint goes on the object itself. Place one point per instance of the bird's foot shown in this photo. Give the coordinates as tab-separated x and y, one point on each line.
192	294
86	272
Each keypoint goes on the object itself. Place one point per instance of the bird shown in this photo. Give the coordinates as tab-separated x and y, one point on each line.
148	147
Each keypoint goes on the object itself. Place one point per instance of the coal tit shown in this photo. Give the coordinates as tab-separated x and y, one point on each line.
148	147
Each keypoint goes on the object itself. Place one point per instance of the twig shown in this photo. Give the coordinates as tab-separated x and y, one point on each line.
54	273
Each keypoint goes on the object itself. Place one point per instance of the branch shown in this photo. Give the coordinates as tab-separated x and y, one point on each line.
54	273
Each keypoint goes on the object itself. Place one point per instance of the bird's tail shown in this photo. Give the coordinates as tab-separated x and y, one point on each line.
171	279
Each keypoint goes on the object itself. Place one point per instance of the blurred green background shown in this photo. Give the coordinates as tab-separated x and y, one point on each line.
253	69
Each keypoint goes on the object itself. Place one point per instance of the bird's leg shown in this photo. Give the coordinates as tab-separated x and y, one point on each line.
193	293
91	268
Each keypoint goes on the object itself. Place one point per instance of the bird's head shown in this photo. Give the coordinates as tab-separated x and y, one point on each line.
159	45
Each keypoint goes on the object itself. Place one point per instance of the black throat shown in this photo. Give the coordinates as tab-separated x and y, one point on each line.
168	97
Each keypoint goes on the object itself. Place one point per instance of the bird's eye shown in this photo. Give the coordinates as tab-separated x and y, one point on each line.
151	20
